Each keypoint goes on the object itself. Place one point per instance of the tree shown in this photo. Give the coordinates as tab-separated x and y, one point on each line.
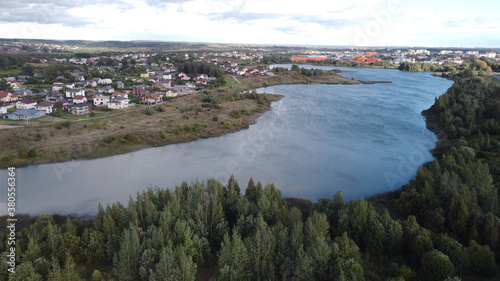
25	272
126	261
262	251
436	266
234	261
317	244
481	259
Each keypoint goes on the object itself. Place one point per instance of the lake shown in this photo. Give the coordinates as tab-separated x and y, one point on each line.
359	139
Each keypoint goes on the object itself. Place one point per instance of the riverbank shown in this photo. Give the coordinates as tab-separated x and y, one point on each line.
201	115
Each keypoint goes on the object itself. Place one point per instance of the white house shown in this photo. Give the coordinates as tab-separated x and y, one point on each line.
3	109
123	95
57	86
26	103
79	99
118	103
105	81
46	106
100	100
71	93
7	97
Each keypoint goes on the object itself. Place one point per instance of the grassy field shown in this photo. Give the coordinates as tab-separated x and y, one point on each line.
200	115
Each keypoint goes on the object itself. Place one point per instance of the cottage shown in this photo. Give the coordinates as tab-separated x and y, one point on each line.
71	93
79	99
100	100
120	85
3	109
46	106
25	114
26	103
79	109
7	97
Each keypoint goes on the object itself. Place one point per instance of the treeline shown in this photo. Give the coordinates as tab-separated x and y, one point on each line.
196	68
13	61
468	68
171	234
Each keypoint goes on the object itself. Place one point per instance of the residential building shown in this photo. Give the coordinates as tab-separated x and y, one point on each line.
118	103
7	97
71	93
79	99
26	103
79	109
100	100
46	106
25	114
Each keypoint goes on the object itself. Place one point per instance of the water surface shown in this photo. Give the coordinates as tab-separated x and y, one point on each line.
359	139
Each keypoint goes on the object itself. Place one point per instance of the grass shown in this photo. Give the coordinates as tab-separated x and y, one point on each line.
116	132
10	72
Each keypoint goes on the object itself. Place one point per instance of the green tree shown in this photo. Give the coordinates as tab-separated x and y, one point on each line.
234	259
481	259
25	272
436	266
126	261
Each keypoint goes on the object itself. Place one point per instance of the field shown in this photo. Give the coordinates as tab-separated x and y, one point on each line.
200	115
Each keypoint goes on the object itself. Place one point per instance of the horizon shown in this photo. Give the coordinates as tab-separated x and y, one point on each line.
354	24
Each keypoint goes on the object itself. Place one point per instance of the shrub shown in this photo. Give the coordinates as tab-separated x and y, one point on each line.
148	111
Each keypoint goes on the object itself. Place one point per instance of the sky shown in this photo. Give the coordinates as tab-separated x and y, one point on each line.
443	23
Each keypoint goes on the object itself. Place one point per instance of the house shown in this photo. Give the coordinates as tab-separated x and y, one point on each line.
57	86
25	114
123	95
163	84
183	89
90	83
3	109
151	99
105	81
71	93
79	78
144	75
15	85
54	97
120	85
24	92
79	99
171	93
118	103
70	85
79	109
7	97
46	106
100	100
26	103
106	89
139	89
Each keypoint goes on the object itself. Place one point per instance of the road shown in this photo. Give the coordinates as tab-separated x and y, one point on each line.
497	75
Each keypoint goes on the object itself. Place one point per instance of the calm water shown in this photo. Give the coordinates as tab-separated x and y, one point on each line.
359	139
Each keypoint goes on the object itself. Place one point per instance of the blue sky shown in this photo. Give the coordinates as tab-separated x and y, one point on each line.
312	22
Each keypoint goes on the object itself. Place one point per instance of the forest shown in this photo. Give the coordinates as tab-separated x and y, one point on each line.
443	225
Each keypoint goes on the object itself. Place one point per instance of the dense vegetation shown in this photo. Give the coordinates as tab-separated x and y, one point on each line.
13	61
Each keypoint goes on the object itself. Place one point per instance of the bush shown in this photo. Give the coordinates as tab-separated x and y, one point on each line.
215	118
148	111
159	108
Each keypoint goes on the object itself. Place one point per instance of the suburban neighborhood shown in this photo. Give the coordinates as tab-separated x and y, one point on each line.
75	83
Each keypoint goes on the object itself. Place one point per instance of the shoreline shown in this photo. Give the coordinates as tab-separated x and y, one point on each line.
132	131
